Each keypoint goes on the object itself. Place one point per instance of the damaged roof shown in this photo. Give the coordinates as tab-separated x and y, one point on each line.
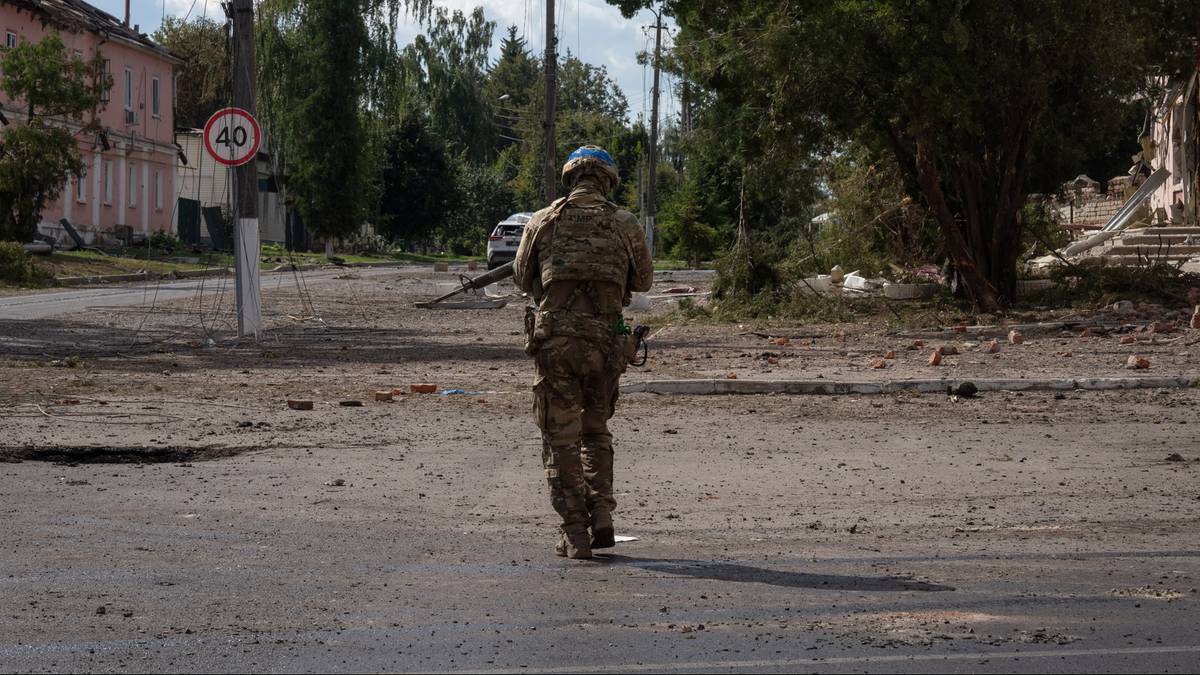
76	15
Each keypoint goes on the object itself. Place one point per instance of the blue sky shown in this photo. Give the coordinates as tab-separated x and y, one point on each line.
591	29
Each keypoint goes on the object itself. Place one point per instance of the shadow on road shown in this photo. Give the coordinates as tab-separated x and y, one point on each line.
718	571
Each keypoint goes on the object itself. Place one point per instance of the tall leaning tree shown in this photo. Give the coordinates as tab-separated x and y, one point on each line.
320	71
970	96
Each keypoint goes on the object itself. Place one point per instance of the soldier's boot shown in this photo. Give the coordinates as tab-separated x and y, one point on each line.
603	534
574	546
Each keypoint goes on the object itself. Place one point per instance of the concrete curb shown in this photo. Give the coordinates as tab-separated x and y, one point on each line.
144	276
827	388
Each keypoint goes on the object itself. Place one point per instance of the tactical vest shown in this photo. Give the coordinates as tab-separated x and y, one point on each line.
586	246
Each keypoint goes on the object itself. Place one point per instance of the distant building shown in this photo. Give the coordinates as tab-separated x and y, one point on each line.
203	183
129	182
1176	135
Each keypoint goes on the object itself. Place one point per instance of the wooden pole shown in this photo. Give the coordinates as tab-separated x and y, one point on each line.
652	169
246	237
551	69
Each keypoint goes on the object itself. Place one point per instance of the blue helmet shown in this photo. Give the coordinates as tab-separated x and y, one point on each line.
590	159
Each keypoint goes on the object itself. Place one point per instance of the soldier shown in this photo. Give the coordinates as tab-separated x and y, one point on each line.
581	258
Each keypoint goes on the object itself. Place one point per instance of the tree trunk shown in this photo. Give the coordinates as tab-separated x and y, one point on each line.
965	253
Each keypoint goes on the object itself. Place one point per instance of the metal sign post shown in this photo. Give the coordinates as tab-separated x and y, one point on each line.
232	137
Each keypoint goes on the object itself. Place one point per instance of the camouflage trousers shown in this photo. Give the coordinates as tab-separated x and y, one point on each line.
575	393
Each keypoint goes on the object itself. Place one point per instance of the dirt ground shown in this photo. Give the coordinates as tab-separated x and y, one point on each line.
164	509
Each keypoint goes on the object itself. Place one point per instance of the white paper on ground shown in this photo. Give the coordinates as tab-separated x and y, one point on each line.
620	539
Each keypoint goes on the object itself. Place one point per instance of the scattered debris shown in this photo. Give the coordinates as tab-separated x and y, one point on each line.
782	342
1136	362
1175	457
1128	340
336	482
385	395
350	403
990	347
889	354
947	350
422	388
621	539
731	376
935	359
966	390
679	289
1015	337
879	363
296	404
1195	322
480	303
1148	592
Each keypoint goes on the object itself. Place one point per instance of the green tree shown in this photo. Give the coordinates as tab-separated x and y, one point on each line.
509	89
418	182
202	82
583	87
448	64
323	68
965	96
37	154
482	200
685	233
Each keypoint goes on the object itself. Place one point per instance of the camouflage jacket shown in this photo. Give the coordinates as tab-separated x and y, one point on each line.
637	264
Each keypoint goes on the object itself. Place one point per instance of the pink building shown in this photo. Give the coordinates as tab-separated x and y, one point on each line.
131	165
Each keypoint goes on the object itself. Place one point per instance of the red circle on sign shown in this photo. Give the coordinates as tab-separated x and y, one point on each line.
241	159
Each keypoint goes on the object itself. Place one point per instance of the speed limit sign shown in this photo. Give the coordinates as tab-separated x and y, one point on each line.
232	136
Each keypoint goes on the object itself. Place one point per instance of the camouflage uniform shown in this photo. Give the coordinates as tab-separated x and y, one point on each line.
580	258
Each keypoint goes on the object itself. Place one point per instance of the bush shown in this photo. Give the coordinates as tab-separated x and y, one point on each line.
165	242
1095	282
369	244
16	267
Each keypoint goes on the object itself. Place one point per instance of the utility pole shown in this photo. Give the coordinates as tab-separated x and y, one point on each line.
245	206
651	197
686	105
550	62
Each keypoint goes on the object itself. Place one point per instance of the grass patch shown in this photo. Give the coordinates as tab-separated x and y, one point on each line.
92	263
678	266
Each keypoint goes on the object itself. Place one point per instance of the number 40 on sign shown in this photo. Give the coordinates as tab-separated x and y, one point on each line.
232	136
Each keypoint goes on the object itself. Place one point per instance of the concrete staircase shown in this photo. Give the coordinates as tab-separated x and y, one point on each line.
1175	243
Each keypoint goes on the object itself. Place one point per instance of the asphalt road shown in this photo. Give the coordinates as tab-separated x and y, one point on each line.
1010	532
55	302
907	545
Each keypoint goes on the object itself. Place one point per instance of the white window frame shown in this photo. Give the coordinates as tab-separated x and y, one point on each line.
154	91
158	190
10	39
129	88
81	187
108	182
133	185
105	73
